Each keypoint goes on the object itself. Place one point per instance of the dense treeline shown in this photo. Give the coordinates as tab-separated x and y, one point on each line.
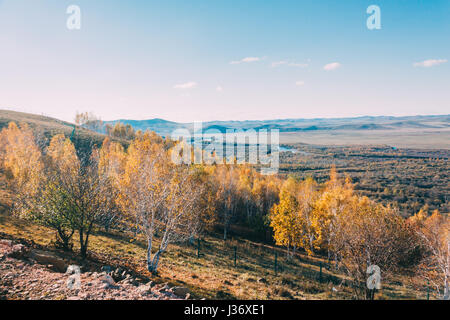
140	189
120	130
410	178
357	233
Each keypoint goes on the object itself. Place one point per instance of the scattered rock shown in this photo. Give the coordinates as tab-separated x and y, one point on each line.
106	269
262	280
47	258
7	243
31	279
144	289
17	251
181	292
108	279
162	286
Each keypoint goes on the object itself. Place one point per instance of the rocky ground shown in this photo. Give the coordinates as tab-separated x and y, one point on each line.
27	273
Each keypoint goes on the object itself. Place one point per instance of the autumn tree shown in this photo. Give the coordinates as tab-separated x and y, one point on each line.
88	120
292	219
56	188
87	192
283	216
21	159
120	130
37	195
227	195
158	196
111	164
332	202
434	233
367	234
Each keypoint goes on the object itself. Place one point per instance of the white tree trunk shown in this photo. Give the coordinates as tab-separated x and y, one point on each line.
447	274
154	264
149	254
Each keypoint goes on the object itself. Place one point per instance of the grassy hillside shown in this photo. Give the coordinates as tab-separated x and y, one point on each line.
48	127
213	274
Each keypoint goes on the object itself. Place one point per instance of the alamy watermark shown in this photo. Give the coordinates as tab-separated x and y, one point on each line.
74	19
374	280
374	20
213	146
73	282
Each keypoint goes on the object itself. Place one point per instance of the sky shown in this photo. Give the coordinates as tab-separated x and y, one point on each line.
225	59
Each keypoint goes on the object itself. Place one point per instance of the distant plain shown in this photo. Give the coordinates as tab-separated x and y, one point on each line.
399	138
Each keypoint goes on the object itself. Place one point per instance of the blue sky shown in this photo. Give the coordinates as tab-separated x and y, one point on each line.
225	60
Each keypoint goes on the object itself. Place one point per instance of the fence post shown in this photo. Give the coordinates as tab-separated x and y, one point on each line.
275	265
320	273
198	248
428	290
235	255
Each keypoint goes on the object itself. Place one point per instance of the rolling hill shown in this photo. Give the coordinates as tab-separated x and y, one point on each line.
48	127
165	127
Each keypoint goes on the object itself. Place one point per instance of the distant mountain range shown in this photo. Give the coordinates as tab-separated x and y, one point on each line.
165	128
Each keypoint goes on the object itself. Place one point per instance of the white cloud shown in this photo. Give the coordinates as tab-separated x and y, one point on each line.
187	85
278	63
290	64
246	60
299	65
219	89
332	66
300	83
430	63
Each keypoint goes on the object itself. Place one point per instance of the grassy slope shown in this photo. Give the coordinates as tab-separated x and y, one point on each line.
48	127
213	274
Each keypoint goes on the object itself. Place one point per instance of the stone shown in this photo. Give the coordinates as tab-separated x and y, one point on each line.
45	258
18	251
144	289
180	291
106	269
108	279
7	243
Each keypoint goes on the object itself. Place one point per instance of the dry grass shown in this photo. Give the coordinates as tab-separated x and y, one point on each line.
213	274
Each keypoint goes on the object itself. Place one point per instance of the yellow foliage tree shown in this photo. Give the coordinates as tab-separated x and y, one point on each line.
21	158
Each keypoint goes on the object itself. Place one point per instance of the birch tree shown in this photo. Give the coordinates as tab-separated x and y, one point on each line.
227	195
159	196
368	234
434	232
